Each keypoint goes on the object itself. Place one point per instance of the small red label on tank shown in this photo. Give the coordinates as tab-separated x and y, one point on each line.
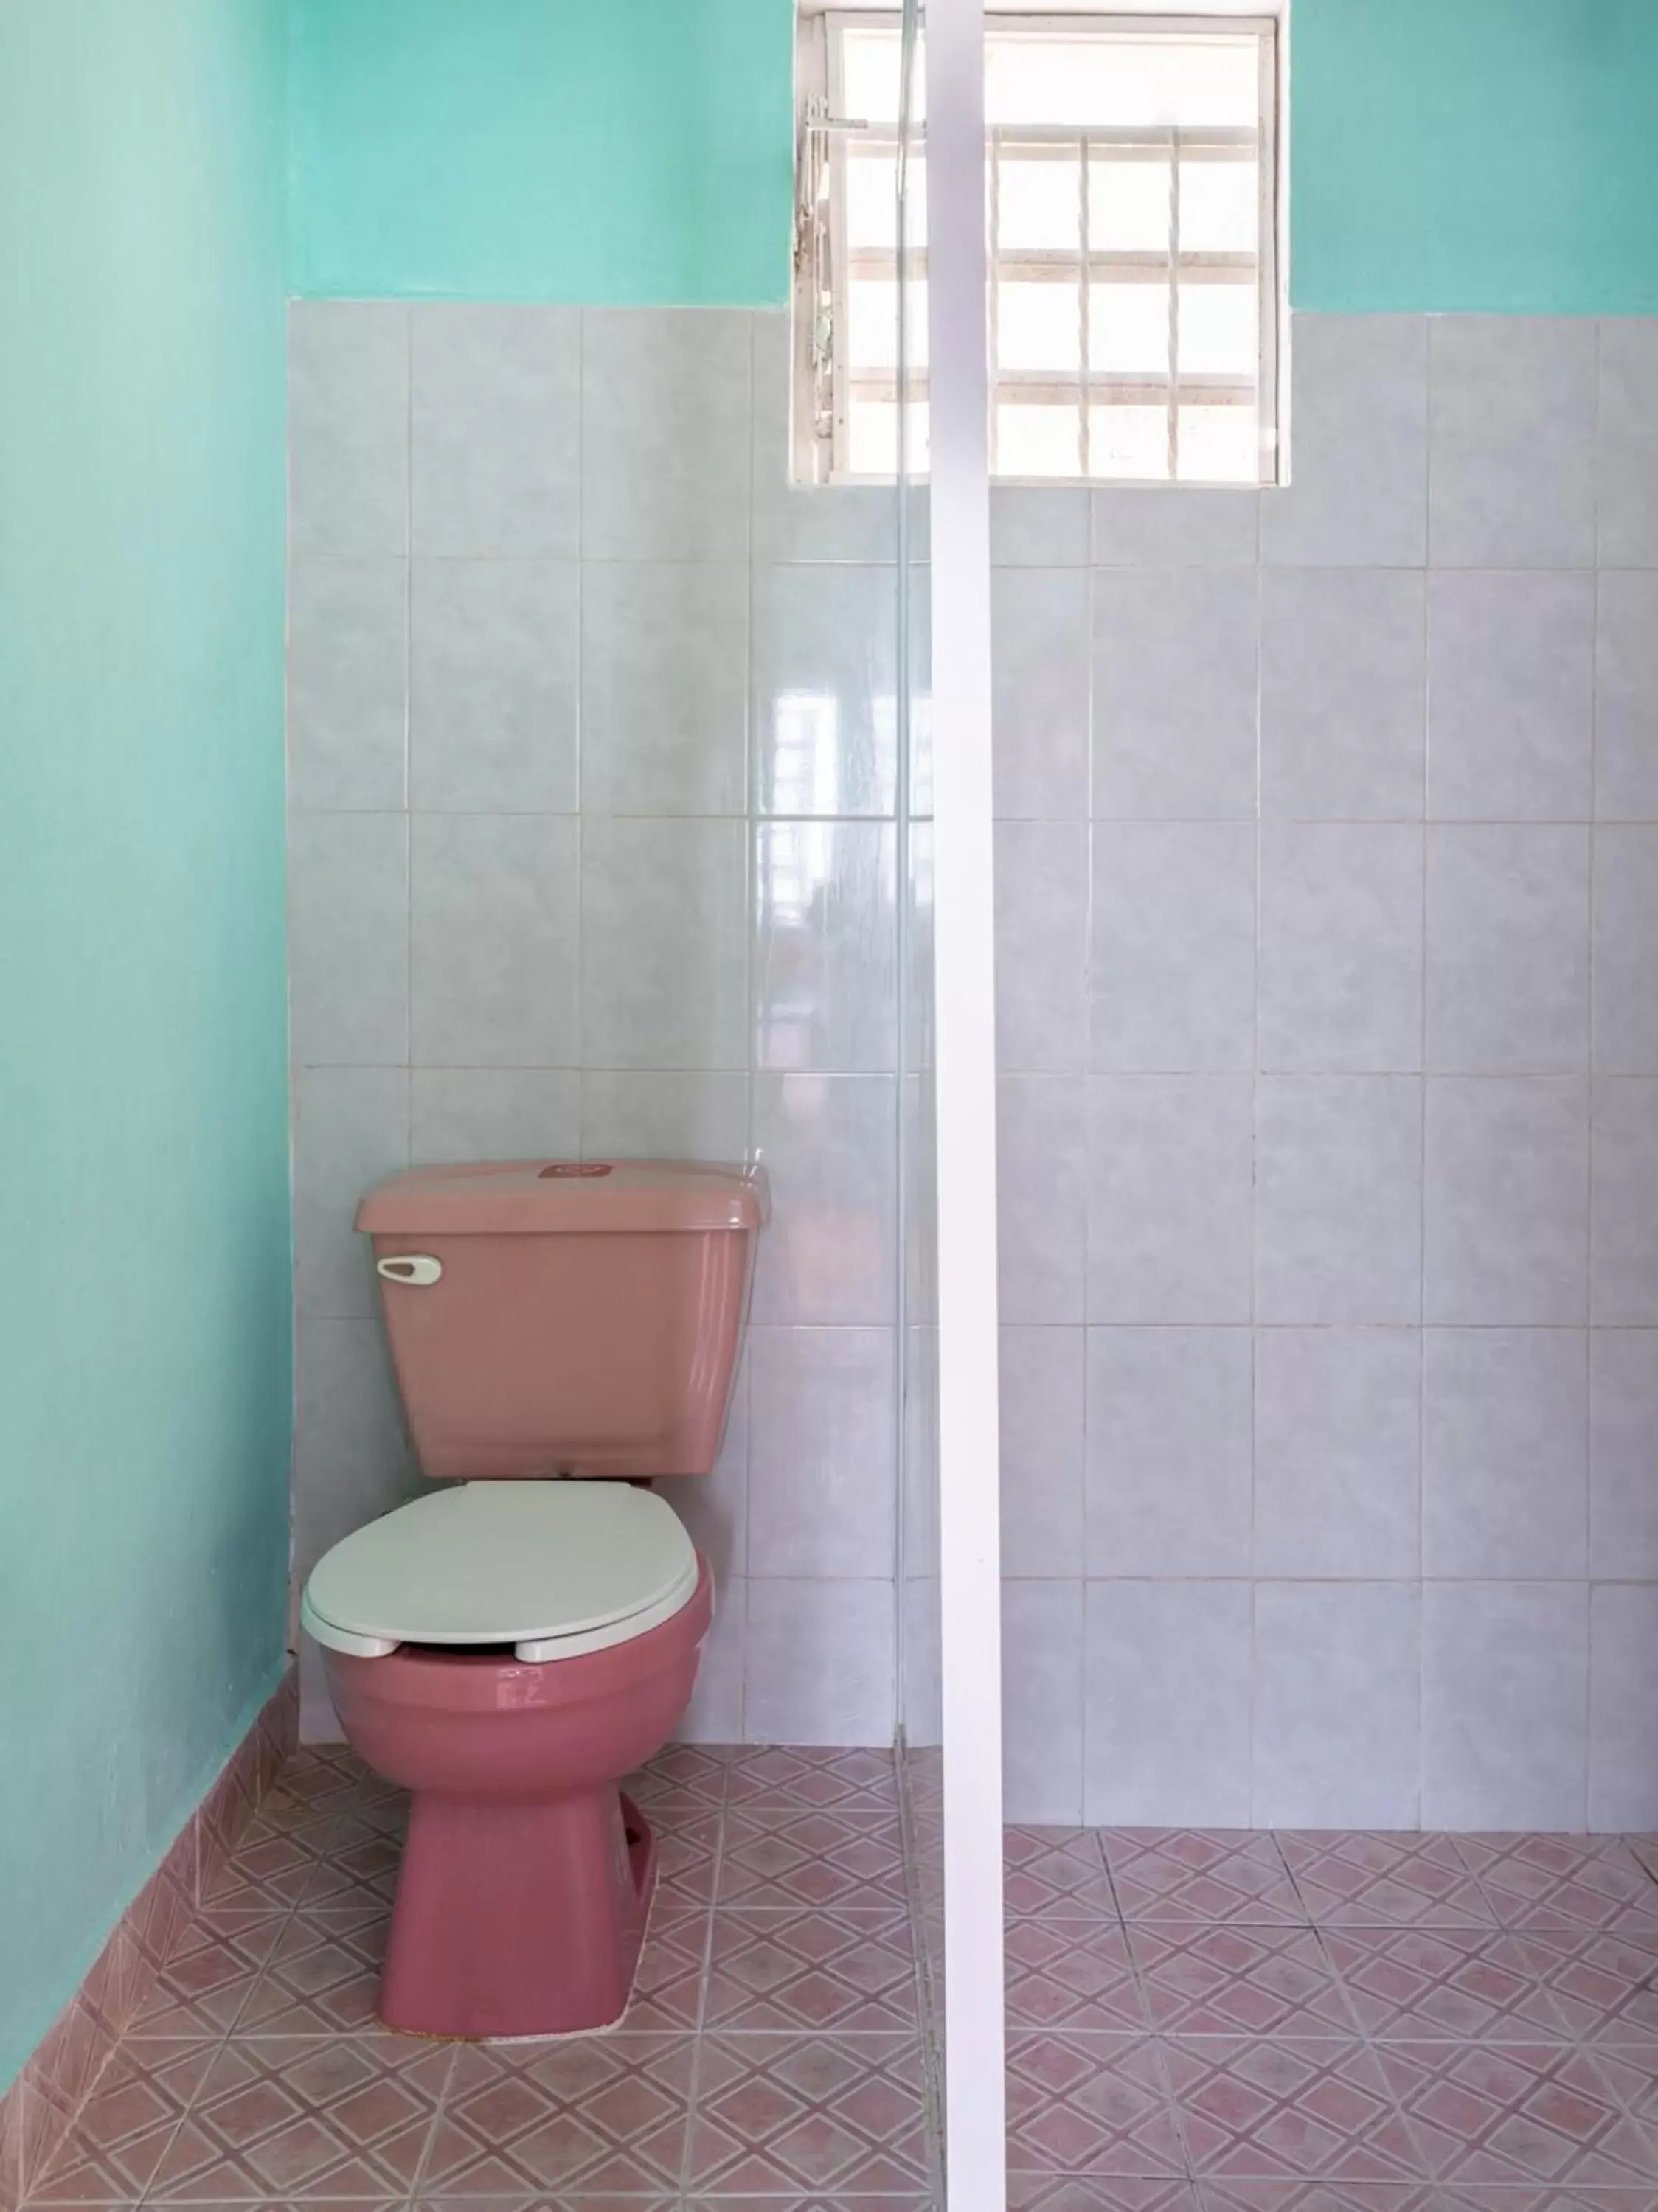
573	1168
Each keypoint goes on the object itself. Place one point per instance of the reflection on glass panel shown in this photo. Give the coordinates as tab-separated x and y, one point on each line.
1218	333
1039	326
1220	208
1129	442
871	438
1219	445
1128	329
872	322
824	947
1038	202
1036	441
1129	206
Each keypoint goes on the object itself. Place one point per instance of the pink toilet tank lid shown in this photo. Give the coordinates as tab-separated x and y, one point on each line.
544	1197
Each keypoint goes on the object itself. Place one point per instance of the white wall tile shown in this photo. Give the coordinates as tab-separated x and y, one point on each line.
1337	1199
1623	1453
664	943
495	430
829	1144
1338	1452
494	1114
493	973
819	1663
1506	1201
1168	1216
1344	695
1622	1669
824	956
1505	1686
1168	1451
1337	1705
1358	493
1626	697
714	1507
1041	946
348	938
1043	1377
348	427
648	492
1625	1202
1626	950
492	686
1041	526
350	1131
823	1477
642	1114
824	714
1173	979
1508	949
1166	1741
805	522
1042	1197
1039	698
1042	1701
1175	689
351	1456
1512	408
664	688
1505	1453
1511	697
1340	951
1627	478
347	683
1174	526
715	1714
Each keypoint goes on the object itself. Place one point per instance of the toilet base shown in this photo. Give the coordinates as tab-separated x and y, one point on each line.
518	1920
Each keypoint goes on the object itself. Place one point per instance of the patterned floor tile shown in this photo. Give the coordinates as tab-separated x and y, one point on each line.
778	1775
323	1977
1072	1974
270	1868
802	2115
1315	2108
1284	2193
1526	2113
667	1983
1197	1874
594	2116
1605	1987
356	1863
214	1968
841	1972
111	2152
1237	1979
1056	1871
1089	2105
687	1854
292	2118
1462	1984
1100	2192
1369	1881
685	1775
1566	1883
779	1856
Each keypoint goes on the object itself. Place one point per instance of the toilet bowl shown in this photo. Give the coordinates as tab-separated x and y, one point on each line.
510	1647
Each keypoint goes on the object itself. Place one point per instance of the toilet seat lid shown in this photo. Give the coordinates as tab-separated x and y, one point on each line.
554	1569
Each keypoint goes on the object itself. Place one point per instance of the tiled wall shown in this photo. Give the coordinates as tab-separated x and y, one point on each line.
593	849
1328	901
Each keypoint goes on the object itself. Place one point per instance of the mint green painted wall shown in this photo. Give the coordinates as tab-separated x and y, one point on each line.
1465	155
630	151
144	1331
1447	154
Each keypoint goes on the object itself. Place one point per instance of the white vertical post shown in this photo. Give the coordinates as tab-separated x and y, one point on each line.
964	974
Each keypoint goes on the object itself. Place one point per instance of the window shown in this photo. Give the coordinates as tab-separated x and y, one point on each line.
1131	180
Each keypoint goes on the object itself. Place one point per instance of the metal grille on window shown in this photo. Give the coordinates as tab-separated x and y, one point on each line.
1132	309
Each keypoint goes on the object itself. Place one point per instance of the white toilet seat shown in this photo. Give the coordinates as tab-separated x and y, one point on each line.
554	1569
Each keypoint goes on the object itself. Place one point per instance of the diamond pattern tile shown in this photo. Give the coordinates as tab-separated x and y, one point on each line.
1057	1871
686	1776
292	2118
1100	2192
1367	1881
845	1972
1603	1988
1469	1984
323	1977
1315	2108
1237	1979
1489	2115
778	1775
1284	2193
588	2116
110	2154
1072	1974
1564	1883
1089	2105
356	1863
797	2115
667	1983
687	1854
1196	1874
779	1856
213	1970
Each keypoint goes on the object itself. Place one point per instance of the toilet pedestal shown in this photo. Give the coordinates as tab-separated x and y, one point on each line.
518	1920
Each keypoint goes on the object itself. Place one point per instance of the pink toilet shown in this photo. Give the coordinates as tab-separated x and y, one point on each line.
509	1648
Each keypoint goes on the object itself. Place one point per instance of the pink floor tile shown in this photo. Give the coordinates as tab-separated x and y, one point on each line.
1237	1979
1286	2193
1089	2105
323	1977
1316	2109
356	1863
1100	2192
1201	1874
213	1971
841	1971
778	1775
1491	2115
293	2117
667	1983
1603	1988
1583	1883
1077	1975
1467	1984
1059	1872
795	2115
687	1854
592	2116
1354	1880
783	1857
111	2153
686	1776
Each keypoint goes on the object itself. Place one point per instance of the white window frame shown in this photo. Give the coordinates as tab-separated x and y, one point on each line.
820	387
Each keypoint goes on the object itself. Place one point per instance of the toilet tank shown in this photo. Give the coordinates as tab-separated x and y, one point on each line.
565	1317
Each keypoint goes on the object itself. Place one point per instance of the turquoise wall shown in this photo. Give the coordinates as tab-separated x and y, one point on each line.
144	1332
1447	154
630	151
1464	155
